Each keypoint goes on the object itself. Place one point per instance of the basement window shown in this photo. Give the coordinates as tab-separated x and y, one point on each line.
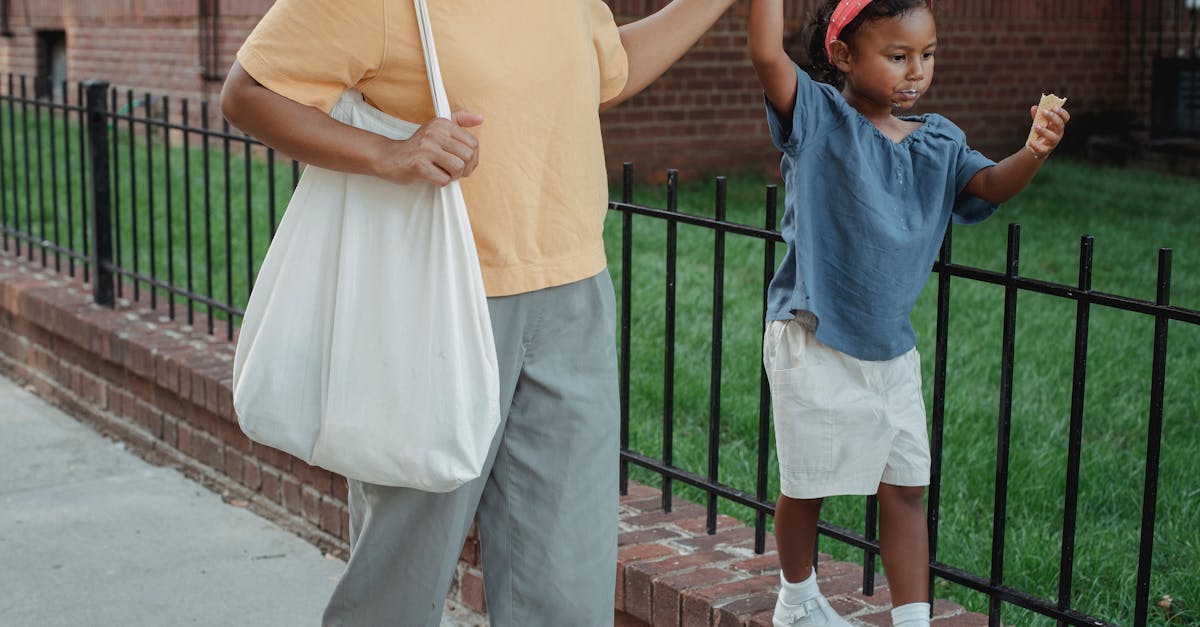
1175	99
5	12
51	63
209	14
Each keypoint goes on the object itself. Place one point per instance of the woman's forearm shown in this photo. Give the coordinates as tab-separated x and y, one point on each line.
439	152
302	132
653	43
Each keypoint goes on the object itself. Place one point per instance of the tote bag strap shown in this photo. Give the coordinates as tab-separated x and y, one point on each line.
441	104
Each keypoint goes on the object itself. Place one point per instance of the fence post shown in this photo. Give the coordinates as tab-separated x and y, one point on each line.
97	130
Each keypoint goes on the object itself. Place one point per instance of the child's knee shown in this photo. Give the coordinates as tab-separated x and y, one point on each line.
798	506
901	497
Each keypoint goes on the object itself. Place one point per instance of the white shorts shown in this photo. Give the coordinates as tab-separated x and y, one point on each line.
843	425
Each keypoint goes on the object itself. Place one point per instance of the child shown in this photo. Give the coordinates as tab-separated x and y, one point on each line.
869	194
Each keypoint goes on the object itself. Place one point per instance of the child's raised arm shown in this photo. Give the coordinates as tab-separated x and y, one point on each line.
775	69
999	183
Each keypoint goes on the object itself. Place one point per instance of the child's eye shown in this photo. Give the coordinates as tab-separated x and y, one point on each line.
897	57
928	55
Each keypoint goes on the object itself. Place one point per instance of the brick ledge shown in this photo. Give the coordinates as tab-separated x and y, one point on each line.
670	572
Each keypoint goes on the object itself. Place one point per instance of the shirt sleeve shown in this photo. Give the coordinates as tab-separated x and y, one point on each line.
968	208
310	51
789	133
610	53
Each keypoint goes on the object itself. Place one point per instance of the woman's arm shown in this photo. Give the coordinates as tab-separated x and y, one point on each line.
999	183
771	62
439	152
653	43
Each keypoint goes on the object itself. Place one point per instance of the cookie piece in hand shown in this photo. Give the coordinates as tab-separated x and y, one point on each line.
1048	102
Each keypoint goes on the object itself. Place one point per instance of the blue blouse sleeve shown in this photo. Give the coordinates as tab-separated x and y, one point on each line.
970	209
789	134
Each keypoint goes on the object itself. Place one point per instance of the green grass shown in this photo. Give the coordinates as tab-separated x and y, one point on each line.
1131	213
212	202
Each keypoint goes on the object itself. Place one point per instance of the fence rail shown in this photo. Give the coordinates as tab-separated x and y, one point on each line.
128	191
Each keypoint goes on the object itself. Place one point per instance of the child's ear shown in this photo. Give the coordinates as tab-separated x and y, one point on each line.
839	55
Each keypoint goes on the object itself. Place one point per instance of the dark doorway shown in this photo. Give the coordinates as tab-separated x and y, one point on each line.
51	64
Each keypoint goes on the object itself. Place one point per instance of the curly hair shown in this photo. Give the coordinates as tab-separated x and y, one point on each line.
818	64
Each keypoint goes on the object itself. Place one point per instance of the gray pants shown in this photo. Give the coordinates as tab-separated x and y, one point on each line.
547	498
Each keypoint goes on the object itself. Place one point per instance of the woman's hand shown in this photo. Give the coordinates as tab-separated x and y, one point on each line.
439	152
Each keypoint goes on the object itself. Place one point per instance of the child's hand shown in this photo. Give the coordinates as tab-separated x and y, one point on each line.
1047	131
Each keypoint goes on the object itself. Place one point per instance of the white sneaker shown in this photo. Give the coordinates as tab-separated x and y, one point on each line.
815	612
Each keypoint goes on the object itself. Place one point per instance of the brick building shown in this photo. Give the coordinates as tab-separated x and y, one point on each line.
704	115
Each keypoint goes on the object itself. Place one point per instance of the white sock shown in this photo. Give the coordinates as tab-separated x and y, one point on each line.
797	593
911	615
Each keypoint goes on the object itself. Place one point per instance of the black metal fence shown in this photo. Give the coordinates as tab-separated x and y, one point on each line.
993	583
153	204
181	209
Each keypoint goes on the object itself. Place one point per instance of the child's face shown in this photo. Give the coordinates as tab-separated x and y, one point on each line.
891	60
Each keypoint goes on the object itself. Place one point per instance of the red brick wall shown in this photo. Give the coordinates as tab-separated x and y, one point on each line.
705	115
991	72
144	45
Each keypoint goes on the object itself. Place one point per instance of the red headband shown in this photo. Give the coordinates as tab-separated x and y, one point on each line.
845	13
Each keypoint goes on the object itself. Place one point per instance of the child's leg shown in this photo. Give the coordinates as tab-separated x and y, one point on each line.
804	396
796	535
800	602
904	542
903	535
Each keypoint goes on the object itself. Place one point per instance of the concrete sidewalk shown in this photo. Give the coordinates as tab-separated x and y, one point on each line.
91	534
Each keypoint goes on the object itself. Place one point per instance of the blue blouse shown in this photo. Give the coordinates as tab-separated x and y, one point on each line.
864	218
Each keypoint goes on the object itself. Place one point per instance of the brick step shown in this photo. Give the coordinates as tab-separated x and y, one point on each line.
672	573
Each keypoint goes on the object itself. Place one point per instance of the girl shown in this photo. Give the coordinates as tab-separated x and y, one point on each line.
869	194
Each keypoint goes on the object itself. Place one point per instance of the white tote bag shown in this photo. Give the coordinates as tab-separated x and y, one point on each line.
366	347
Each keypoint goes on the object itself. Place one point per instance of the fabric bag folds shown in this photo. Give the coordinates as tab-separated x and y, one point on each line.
366	347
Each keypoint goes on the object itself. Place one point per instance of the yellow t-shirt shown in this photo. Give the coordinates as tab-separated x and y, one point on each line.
537	72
